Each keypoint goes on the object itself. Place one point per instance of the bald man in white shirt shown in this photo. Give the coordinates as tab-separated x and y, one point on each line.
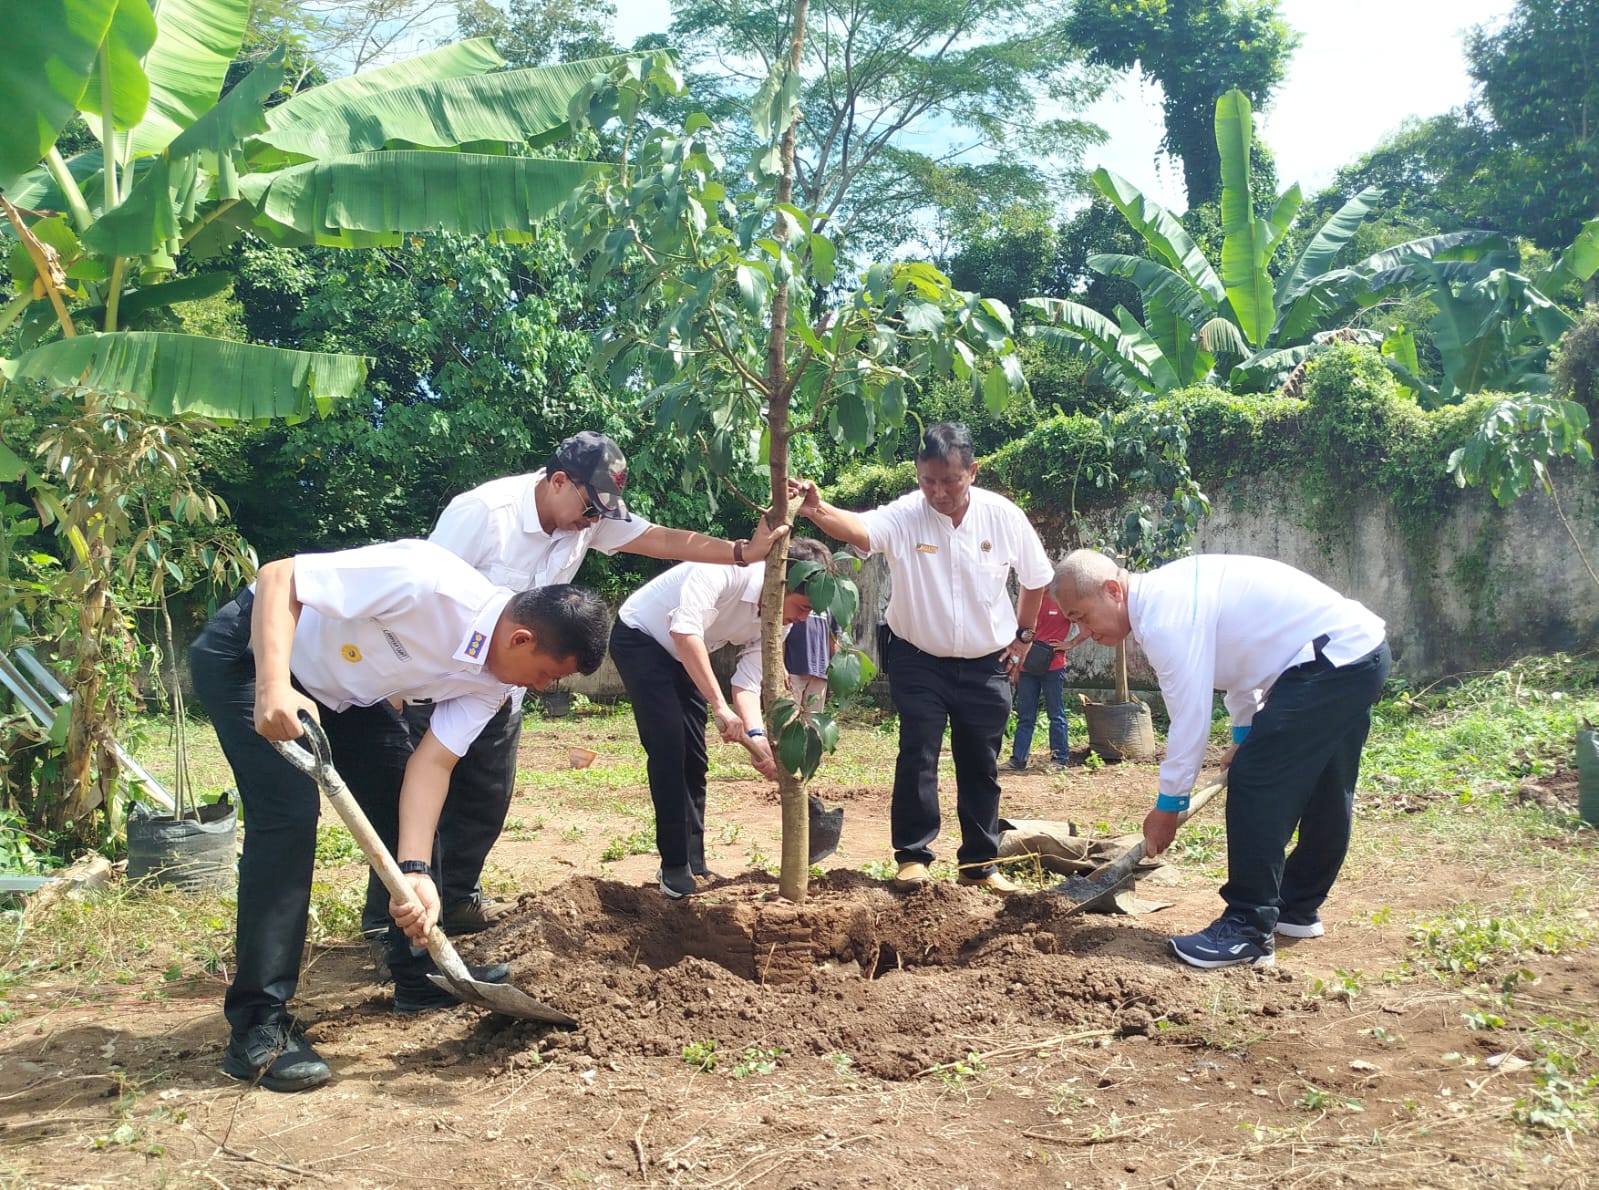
1300	666
345	637
662	644
951	548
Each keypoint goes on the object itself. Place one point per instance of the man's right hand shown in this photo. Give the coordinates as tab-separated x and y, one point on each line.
1160	828
277	711
730	723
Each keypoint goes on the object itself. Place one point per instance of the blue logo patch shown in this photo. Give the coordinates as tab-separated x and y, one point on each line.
475	645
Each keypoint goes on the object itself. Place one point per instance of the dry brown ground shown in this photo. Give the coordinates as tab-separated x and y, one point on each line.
940	1038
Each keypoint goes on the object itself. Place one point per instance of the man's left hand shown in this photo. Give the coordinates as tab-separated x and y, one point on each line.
417	917
763	539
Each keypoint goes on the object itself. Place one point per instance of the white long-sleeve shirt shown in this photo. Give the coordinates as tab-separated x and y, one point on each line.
1233	623
719	604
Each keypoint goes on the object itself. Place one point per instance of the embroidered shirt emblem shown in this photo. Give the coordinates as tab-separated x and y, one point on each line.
475	645
986	546
394	643
350	653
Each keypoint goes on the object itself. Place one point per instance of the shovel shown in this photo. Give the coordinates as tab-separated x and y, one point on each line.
1097	892
827	827
452	974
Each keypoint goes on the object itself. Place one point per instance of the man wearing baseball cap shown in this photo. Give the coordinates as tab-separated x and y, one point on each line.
521	532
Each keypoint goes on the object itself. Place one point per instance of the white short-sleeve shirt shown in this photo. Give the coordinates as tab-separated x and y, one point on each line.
949	595
1233	623
719	604
495	527
406	620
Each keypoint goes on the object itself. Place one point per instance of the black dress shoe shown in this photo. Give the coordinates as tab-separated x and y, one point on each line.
676	883
415	992
472	915
276	1055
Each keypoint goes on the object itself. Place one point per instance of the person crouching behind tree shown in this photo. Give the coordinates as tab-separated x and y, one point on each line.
346	637
662	644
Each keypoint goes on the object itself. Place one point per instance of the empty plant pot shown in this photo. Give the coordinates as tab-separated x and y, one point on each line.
580	758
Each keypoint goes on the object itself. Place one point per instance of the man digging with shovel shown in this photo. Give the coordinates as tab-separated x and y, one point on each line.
1300	666
345	637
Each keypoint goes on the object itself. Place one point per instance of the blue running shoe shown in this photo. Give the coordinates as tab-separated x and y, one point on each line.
1224	943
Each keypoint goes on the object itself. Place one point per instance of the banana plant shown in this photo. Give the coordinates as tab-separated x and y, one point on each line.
99	242
1195	313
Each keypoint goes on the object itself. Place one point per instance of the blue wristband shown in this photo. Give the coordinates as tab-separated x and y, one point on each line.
1239	733
755	733
1171	803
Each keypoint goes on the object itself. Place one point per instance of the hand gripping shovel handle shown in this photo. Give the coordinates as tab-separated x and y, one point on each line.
317	763
1087	889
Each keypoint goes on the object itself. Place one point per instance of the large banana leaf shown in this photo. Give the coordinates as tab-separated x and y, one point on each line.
1266	370
387	194
197	40
513	105
119	71
1136	343
172	374
1178	340
1246	240
1318	255
45	62
1319	304
1576	263
143	221
1088	333
1161	230
1487	248
1155	280
1282	216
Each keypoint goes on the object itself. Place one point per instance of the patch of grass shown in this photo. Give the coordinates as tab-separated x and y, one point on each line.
1343	985
640	842
757	1061
1315	1099
701	1054
1473	939
336	845
1564	1098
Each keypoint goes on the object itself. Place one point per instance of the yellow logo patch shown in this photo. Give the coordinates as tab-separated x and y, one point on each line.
350	653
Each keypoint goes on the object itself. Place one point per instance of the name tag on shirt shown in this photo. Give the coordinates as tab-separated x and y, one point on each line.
927	549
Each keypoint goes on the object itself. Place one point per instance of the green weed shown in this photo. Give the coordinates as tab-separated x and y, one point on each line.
336	845
640	842
1315	1099
701	1055
1473	939
757	1061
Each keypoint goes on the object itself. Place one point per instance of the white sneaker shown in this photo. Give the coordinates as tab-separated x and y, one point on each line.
1300	929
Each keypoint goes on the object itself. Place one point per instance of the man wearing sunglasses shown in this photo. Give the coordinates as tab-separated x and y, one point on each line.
526	531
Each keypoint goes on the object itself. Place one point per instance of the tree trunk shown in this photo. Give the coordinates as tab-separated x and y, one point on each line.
795	872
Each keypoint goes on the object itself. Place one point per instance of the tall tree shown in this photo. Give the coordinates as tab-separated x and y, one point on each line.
989	71
539	32
1538	109
1197	50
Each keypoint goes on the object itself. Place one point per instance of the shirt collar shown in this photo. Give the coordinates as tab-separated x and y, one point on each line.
474	648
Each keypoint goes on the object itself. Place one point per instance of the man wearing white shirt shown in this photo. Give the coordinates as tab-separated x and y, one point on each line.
662	644
951	548
526	531
345	637
1300	666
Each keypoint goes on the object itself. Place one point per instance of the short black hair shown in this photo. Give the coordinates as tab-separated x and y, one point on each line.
808	549
568	622
948	441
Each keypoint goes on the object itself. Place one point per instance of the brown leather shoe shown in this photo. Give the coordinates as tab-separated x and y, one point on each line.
994	882
911	875
472	916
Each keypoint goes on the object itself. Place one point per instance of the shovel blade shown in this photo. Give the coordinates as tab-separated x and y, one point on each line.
826	829
501	998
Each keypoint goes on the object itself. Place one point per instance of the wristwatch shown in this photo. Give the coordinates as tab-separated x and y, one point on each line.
1025	635
412	867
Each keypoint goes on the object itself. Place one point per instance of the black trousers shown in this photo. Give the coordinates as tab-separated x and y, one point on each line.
670	713
1296	770
971	695
281	805
474	812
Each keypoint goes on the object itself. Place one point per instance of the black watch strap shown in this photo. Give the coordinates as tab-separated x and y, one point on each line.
412	867
1025	635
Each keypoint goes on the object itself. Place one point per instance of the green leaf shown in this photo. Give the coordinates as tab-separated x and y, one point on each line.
799	570
240	114
45	63
996	390
844	673
145	219
61	726
512	106
791	746
823	590
387	194
1162	231
1246	239
813	750
846	601
783	712
1318	255
1089	333
827	729
54	231
753	288
823	259
132	33
172	374
855	416
11	467
922	318
197	41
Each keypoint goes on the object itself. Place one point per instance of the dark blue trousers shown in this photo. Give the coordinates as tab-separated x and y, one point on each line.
281	805
971	696
670	713
1296	770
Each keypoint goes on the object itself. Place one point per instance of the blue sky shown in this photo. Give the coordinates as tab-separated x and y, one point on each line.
1361	68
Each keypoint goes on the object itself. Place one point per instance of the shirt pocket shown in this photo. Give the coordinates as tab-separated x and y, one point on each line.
508	576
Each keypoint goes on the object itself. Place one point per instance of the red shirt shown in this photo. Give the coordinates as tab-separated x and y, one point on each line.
1053	628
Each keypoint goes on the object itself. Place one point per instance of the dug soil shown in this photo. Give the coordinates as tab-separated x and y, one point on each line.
940	1037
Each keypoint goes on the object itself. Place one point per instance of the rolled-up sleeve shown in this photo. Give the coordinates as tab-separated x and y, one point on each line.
696	608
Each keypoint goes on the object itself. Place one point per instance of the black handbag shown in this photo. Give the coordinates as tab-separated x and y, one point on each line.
1037	658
